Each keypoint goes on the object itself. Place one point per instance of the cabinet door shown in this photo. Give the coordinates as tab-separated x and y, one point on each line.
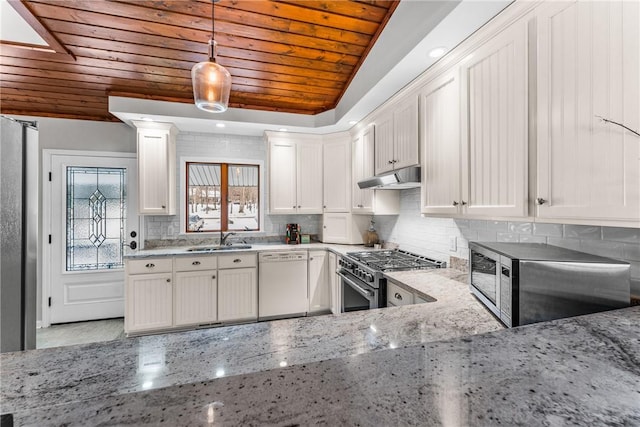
156	172
337	174
405	133
384	144
362	200
334	284
282	177
237	294
149	303
440	120
195	297
319	293
495	79
588	66
336	228
309	177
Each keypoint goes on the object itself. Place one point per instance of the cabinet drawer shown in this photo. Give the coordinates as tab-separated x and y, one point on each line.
237	261
196	263
152	265
398	296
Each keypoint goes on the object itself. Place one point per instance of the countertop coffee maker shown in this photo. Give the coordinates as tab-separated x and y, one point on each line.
293	234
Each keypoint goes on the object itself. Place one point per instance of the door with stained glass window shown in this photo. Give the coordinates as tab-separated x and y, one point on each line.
93	215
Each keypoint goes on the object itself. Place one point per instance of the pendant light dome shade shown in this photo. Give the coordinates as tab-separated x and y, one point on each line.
211	81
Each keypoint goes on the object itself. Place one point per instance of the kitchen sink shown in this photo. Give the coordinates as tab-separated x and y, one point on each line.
219	248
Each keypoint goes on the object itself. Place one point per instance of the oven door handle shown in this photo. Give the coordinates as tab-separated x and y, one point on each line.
365	292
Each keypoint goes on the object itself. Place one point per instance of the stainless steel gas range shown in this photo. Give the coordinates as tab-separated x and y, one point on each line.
362	283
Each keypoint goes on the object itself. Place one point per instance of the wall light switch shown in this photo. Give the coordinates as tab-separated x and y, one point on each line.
453	243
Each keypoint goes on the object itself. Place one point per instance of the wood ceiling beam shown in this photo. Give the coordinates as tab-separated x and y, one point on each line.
27	14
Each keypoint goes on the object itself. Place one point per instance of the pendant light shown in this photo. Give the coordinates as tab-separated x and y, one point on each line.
211	81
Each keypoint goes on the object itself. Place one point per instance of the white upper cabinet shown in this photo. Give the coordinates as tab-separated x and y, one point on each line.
295	174
440	123
337	172
495	126
362	200
588	65
309	177
156	168
396	138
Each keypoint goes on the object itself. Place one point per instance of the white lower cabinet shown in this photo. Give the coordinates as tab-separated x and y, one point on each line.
238	294
195	297
334	284
319	292
398	296
149	302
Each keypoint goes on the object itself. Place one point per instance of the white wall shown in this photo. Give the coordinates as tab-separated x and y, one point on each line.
431	236
67	134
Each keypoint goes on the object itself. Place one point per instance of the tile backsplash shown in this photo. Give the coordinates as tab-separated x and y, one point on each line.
433	236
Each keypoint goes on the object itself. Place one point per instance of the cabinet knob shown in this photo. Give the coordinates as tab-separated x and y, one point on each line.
398	296
213	277
390	162
455	203
298	206
463	203
394	161
164	207
310	259
195	263
294	206
168	280
324	206
540	201
150	265
237	260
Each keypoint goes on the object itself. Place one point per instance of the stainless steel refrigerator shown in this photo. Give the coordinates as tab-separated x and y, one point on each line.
18	234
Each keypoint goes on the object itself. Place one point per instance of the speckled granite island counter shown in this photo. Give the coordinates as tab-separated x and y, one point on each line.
395	366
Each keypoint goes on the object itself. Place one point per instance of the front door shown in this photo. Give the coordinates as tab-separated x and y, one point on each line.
93	215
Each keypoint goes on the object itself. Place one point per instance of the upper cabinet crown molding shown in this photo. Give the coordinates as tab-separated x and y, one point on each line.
156	168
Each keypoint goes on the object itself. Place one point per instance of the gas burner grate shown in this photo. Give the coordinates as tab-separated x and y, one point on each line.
390	260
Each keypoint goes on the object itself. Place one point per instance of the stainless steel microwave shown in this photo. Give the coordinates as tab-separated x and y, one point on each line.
524	283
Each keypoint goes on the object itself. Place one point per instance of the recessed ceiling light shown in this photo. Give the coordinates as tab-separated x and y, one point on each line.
353	122
437	52
220	125
282	129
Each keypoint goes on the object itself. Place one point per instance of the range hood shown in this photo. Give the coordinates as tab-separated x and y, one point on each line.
397	180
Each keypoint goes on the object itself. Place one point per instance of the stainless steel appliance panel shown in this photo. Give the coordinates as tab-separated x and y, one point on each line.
553	290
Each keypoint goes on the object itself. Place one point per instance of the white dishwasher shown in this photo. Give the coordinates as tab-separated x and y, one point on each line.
282	284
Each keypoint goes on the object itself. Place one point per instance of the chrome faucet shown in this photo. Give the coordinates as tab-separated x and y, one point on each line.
224	237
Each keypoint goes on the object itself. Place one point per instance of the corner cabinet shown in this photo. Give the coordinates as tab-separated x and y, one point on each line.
396	138
295	174
588	66
156	168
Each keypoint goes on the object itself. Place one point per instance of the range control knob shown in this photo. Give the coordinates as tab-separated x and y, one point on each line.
369	277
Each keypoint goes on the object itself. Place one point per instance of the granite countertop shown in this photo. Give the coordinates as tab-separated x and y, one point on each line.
417	364
255	247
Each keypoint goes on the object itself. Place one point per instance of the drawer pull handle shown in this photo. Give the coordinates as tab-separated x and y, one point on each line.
195	263
150	265
237	260
398	296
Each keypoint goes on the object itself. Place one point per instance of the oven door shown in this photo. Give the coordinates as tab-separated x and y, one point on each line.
356	294
484	277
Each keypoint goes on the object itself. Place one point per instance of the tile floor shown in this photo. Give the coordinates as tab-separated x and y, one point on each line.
80	333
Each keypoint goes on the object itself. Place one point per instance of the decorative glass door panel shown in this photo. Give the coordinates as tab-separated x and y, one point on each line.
96	213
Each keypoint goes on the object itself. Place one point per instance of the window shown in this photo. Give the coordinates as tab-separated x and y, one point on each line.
222	197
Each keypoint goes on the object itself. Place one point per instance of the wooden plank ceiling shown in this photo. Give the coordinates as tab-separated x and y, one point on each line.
293	56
